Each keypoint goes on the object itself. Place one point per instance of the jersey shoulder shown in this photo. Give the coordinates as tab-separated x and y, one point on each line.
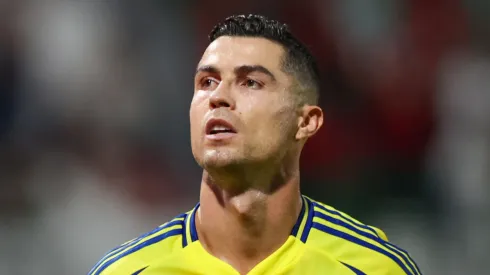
359	246
135	255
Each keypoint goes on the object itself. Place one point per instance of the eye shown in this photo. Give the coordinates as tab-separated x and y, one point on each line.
252	84
208	83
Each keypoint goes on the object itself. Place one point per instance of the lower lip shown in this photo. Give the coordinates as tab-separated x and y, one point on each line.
221	136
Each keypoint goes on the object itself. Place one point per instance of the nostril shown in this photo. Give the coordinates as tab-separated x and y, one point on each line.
219	104
224	104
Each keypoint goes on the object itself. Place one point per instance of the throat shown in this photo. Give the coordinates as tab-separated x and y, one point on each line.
250	210
246	219
247	228
244	226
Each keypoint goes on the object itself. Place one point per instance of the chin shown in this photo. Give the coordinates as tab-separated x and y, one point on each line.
218	158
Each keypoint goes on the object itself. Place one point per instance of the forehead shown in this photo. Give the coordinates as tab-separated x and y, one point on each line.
229	52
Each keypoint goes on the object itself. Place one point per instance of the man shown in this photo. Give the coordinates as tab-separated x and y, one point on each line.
254	107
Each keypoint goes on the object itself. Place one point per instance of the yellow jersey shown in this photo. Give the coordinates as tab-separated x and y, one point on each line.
323	241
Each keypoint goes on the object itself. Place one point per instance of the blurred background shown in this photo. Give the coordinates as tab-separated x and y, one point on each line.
94	131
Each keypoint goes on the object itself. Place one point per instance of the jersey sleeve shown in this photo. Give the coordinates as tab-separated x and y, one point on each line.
380	233
408	262
133	255
398	270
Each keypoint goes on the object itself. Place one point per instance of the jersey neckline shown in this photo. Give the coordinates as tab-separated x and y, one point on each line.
300	230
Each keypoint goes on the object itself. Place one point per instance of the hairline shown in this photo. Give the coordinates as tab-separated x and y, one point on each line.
284	63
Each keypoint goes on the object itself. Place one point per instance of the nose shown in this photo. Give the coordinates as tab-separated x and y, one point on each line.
221	98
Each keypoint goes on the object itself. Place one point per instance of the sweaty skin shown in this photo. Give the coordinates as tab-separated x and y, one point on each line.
250	196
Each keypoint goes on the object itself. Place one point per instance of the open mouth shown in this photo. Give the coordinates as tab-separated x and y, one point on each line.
220	129
219	126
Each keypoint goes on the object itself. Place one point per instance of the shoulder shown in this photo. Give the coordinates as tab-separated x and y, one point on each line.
133	255
355	244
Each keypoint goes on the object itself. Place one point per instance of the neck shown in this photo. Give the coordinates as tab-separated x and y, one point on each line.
244	227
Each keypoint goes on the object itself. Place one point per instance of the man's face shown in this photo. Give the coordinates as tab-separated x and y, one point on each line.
242	110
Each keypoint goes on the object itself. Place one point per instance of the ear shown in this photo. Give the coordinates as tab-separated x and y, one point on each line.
309	122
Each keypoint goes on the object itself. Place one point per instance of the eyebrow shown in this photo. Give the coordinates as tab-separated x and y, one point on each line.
240	70
246	69
207	69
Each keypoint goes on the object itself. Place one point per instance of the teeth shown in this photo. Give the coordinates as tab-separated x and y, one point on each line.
219	128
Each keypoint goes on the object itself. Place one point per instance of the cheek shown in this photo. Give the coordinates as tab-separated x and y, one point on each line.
200	96
271	129
251	104
196	111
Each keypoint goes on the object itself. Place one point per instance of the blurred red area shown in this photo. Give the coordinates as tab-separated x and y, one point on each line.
381	109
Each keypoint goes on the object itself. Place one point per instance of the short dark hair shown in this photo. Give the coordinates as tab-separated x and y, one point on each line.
298	61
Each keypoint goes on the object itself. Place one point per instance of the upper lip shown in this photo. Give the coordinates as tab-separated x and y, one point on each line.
215	121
